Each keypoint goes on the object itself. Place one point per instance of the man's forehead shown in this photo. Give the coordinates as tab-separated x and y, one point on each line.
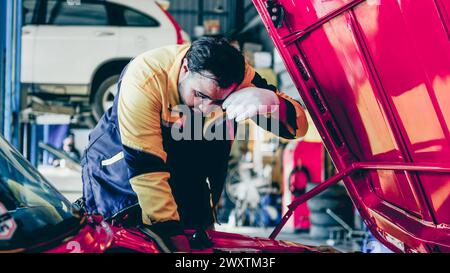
206	84
205	78
210	87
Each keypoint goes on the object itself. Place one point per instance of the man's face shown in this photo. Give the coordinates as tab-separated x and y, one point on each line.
201	92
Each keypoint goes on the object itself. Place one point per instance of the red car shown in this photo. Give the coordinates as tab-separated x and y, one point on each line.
374	75
35	217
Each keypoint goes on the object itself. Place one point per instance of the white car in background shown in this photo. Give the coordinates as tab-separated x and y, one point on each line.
73	51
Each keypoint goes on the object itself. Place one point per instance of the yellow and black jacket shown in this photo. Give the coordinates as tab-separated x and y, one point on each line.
132	155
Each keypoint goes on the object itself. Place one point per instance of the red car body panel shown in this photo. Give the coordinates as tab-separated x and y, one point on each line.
95	237
132	239
375	77
223	242
100	237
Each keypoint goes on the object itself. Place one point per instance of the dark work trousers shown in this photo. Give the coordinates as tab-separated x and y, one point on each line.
198	170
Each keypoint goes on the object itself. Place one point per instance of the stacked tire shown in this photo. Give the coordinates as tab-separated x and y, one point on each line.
334	198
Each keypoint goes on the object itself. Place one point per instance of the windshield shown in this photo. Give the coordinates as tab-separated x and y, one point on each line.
32	212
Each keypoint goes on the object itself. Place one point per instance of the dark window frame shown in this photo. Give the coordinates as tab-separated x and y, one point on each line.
114	13
42	19
34	16
117	14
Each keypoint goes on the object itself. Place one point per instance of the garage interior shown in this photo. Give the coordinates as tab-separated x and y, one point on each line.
48	119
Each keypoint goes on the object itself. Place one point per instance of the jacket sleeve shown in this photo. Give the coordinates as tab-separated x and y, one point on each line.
293	124
139	109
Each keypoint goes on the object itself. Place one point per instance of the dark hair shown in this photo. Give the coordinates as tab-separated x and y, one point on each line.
218	57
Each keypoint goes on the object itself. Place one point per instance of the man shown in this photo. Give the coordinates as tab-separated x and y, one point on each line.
135	155
69	147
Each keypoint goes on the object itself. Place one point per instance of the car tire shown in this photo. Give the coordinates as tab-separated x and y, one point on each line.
332	192
322	219
334	198
321	204
227	201
320	232
105	93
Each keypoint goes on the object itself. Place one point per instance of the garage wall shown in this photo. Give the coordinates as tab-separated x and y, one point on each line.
190	13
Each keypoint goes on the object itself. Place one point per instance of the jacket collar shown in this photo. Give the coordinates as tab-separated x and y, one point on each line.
172	77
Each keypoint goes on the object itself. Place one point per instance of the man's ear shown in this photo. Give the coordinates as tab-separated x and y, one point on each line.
185	65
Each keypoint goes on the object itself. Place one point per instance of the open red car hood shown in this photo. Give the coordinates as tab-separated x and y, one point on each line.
375	77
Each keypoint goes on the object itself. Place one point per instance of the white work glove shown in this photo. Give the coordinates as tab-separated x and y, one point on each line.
249	102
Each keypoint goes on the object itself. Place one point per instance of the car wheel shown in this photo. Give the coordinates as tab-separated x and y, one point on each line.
321	205
322	219
332	192
104	97
320	232
336	199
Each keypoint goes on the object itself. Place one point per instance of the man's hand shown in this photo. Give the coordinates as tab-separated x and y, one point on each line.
249	102
168	236
180	243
